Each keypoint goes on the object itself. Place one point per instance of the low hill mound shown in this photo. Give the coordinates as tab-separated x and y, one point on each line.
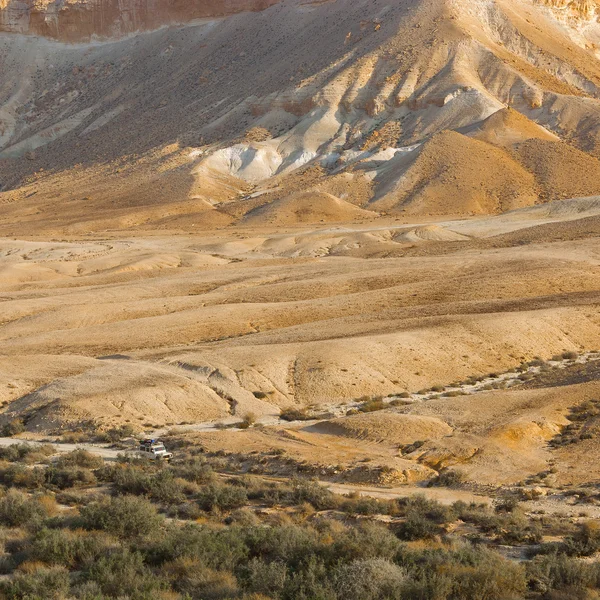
390	428
508	126
454	174
307	207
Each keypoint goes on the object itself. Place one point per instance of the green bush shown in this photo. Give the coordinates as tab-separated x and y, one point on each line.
557	572
68	477
585	542
494	579
124	516
17	509
294	414
372	405
80	458
309	581
161	485
289	544
41	584
23	452
450	478
365	505
116	434
14	427
268	578
189	576
17	475
369	579
196	471
417	527
222	548
313	493
222	497
123	574
67	548
367	540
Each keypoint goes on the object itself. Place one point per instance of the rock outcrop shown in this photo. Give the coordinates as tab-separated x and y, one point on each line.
586	10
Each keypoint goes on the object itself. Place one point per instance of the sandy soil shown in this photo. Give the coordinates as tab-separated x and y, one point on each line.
170	329
302	206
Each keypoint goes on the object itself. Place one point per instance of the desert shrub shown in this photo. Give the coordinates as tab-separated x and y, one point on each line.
80	458
124	516
161	485
506	504
290	544
313	493
368	540
294	414
557	571
67	548
17	509
449	478
215	548
509	527
222	497
585	542
26	452
461	572
268	578
431	509
189	511
243	517
126	479
408	448
433	586
369	580
417	527
517	529
493	579
196	471
365	505
189	576
247	421
17	475
571	355
123	574
68	477
116	434
309	581
257	134
372	405
13	427
165	487
40	584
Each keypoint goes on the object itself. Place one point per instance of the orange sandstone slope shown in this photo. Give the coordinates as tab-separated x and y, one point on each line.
419	106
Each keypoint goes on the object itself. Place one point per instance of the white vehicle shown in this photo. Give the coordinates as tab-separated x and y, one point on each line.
154	450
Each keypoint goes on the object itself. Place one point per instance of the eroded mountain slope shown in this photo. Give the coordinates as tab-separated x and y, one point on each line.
198	125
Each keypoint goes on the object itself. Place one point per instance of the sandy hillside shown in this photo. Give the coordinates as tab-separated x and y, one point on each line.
212	211
191	328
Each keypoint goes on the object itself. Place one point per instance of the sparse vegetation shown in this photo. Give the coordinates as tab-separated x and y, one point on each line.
119	545
13	428
372	405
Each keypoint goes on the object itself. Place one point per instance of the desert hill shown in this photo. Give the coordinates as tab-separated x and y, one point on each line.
159	115
214	210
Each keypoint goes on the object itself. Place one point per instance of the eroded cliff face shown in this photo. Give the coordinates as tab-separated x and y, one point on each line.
82	20
586	10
